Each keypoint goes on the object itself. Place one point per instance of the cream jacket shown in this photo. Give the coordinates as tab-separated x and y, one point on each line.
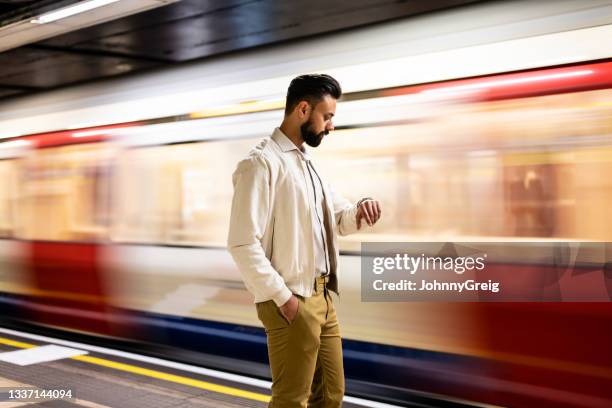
271	231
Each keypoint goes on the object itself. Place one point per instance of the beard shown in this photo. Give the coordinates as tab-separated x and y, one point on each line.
312	138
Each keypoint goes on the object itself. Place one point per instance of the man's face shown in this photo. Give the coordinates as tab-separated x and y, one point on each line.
319	123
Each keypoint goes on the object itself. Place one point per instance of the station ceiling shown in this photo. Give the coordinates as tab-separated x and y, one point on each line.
181	31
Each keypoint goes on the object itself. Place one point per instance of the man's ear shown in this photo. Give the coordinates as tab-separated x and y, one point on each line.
303	109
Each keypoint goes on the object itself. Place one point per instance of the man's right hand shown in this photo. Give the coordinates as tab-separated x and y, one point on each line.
290	308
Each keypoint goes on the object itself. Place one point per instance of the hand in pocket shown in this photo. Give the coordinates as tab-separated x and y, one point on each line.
290	308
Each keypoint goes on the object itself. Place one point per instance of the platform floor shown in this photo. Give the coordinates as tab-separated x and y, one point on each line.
99	380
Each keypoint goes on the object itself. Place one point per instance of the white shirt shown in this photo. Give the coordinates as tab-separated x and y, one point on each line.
271	225
316	198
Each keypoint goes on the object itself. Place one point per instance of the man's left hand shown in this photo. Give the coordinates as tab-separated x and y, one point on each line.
369	210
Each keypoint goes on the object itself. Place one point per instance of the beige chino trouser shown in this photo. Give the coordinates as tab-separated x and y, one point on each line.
306	354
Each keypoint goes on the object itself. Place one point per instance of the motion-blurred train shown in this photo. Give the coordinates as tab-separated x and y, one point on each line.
488	123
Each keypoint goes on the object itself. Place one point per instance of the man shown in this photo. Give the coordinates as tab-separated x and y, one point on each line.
283	238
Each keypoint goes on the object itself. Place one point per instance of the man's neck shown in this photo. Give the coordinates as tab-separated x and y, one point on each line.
293	134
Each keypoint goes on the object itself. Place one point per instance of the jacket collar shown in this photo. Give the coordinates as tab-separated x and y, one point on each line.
285	143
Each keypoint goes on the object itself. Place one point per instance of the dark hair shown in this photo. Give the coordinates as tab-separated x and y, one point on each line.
311	88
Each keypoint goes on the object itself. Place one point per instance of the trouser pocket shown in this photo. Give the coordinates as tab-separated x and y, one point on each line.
271	316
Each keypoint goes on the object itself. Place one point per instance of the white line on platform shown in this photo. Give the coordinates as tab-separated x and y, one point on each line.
40	354
178	366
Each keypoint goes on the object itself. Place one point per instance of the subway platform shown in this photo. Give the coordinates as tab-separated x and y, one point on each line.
38	371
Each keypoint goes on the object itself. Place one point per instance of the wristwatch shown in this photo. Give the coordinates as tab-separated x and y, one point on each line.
362	201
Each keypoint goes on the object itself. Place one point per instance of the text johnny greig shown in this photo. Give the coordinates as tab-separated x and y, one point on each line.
435	264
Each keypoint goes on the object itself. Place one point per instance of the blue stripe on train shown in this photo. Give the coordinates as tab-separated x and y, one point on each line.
369	362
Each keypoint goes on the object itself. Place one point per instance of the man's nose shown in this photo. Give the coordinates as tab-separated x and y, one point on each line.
329	127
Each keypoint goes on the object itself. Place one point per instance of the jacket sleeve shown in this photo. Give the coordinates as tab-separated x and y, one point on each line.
345	213
249	216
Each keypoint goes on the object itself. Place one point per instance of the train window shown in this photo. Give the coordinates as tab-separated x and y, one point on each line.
177	194
533	168
64	193
8	197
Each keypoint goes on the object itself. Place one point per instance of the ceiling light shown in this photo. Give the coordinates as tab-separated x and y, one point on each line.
70	11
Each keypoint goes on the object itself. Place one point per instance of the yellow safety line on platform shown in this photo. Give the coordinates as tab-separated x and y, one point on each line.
14	343
174	378
221	389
